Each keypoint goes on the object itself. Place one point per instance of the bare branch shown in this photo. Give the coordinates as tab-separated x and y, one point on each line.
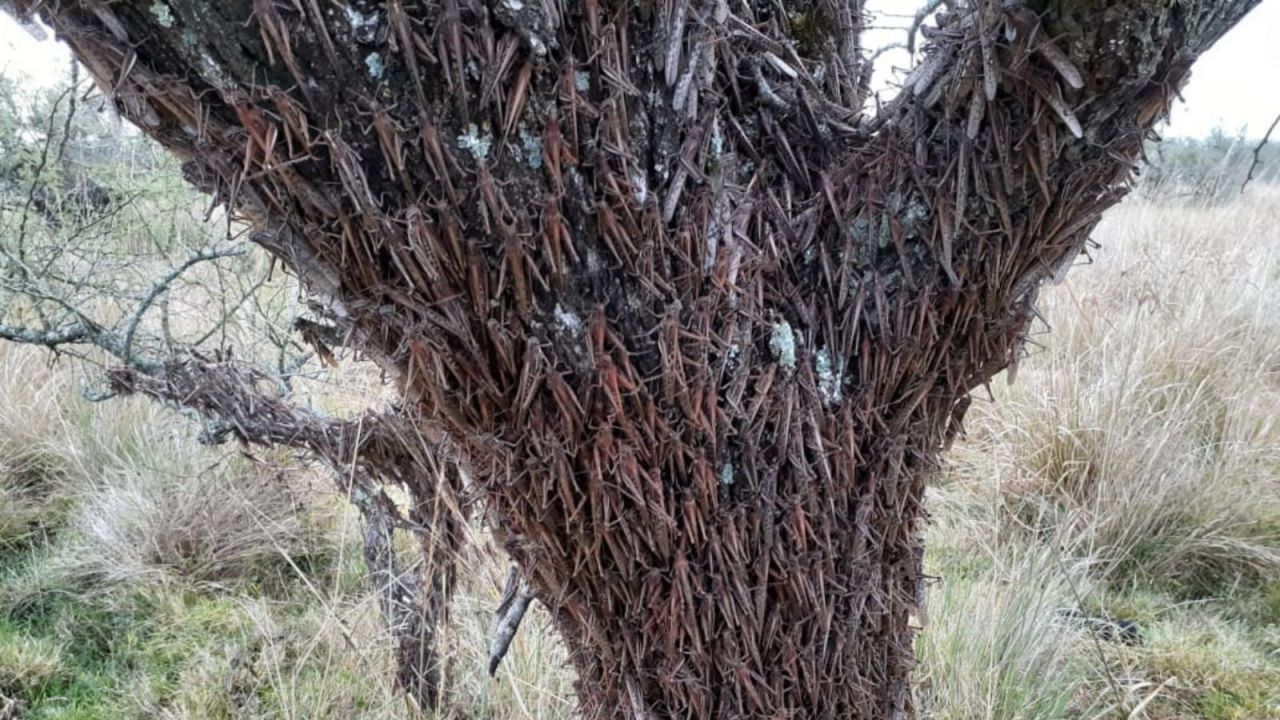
51	339
1257	153
884	49
362	452
921	15
228	393
160	287
39	170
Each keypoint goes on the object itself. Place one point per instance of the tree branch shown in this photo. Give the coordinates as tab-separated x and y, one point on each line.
362	453
515	601
1257	151
159	289
918	20
51	339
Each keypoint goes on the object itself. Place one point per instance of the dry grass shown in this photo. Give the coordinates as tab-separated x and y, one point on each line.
199	524
1145	436
28	664
1140	441
32	468
999	645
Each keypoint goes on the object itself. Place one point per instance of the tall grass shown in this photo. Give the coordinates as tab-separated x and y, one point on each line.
32	465
1001	646
1141	442
200	524
1144	436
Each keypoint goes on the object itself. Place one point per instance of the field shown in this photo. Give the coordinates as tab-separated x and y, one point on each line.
1104	543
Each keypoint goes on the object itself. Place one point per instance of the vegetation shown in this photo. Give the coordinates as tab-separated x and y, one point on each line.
1130	474
690	327
1215	168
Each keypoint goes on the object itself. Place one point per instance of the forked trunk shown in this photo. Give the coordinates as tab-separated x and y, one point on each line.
696	324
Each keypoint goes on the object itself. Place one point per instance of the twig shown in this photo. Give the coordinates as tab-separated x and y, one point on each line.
227	314
921	15
1257	153
35	177
875	55
159	288
48	338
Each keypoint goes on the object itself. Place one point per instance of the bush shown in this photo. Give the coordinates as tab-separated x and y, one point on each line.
1213	168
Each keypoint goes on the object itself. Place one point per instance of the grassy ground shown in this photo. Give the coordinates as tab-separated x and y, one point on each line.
1106	540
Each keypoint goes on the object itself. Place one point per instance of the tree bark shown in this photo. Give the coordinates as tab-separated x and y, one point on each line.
697	326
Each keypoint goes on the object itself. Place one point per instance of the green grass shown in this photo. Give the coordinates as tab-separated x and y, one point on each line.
1218	669
175	649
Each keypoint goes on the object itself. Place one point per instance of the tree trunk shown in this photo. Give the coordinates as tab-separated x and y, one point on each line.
697	326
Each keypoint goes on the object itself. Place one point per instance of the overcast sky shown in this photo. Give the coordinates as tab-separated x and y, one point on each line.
1235	85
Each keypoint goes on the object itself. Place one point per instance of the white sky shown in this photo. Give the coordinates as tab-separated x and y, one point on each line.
1235	85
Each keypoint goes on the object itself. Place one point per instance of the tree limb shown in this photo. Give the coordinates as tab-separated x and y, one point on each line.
159	289
362	453
1257	150
515	601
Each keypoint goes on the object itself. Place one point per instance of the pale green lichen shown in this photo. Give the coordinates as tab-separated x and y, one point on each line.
640	185
885	236
374	63
162	14
726	475
568	320
916	214
865	233
783	344
363	27
213	72
582	80
531	146
478	145
860	230
829	371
